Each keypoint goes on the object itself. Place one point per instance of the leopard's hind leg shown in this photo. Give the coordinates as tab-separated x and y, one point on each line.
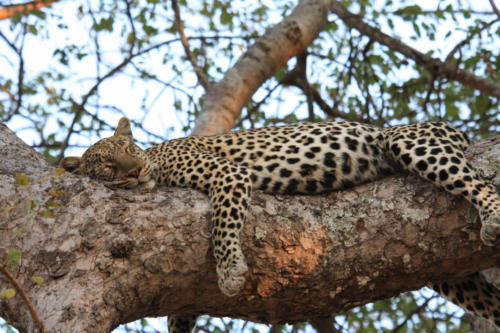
474	294
435	151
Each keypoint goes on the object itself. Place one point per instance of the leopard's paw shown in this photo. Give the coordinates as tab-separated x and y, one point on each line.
490	230
231	282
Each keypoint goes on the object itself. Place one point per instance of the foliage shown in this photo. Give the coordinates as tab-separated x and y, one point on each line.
68	72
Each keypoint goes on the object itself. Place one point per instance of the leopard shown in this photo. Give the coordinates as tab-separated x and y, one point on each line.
303	158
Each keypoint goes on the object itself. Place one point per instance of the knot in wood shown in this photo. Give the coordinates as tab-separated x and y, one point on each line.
293	32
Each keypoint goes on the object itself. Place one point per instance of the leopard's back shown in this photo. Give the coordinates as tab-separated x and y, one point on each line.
306	158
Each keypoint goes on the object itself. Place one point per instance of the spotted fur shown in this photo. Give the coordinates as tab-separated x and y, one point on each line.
303	158
475	294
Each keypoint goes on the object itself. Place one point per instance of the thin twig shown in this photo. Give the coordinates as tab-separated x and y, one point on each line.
297	77
132	27
433	65
466	40
25	298
180	25
417	310
80	107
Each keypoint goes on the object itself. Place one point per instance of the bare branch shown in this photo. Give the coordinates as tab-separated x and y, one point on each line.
468	39
27	302
80	108
297	77
202	79
495	8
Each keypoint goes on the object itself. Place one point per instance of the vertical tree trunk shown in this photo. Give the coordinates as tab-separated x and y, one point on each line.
225	99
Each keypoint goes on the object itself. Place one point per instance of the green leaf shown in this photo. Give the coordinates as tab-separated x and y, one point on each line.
8	209
409	13
17	233
53	204
32	29
226	18
14	257
28	206
37	279
22	179
104	24
7	293
416	28
16	18
46	214
38	13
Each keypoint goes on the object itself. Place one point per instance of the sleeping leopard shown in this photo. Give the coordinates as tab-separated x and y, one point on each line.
307	158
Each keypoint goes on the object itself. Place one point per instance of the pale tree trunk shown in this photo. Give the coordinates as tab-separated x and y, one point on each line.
109	257
224	100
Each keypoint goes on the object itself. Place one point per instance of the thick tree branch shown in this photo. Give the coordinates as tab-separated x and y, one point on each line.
433	65
225	99
109	257
495	8
9	10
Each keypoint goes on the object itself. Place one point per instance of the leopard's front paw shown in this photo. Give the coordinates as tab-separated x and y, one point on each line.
490	230
232	278
126	183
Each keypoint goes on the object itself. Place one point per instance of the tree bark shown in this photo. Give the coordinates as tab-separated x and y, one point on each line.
224	100
112	256
8	11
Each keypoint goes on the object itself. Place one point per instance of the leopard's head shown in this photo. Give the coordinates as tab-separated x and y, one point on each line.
116	159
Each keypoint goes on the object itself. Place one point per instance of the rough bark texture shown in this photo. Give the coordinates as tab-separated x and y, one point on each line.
109	257
225	99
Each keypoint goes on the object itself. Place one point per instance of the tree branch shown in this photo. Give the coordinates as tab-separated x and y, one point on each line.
297	77
9	10
495	8
26	300
109	257
433	65
226	98
202	79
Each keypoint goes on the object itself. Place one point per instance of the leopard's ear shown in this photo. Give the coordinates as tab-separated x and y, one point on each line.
71	164
123	128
